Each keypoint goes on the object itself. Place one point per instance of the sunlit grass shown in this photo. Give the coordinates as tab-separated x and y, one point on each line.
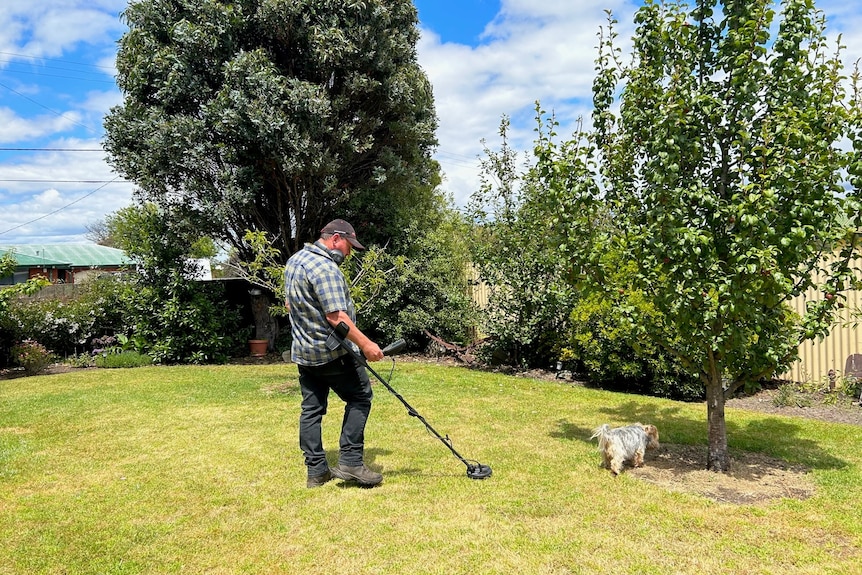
197	470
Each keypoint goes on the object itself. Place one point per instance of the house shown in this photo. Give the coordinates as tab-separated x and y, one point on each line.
64	263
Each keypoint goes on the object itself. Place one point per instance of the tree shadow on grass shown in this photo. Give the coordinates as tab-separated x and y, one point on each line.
625	414
760	451
776	437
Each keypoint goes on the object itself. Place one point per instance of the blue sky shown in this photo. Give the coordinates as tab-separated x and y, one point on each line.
485	59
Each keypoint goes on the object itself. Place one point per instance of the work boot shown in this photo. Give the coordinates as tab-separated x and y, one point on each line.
360	474
318	480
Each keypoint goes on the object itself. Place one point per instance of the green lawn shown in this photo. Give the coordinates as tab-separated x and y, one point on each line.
197	470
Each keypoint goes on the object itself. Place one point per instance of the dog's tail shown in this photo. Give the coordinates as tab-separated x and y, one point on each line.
601	432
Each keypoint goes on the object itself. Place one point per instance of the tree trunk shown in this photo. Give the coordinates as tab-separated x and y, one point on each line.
717	457
265	326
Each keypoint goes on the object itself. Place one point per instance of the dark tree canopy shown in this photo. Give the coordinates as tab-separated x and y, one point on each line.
276	115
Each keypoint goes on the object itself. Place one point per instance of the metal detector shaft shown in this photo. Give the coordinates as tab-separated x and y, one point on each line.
474	470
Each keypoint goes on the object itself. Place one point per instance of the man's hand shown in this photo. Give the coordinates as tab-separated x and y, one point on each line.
369	349
372	351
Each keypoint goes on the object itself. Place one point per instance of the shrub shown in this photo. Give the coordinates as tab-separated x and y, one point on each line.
188	322
67	327
423	293
123	359
32	356
79	360
607	346
60	325
788	395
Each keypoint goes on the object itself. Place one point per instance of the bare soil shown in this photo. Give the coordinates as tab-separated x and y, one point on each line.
754	478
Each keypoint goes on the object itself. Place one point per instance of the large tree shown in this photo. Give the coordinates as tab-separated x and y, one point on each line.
276	115
722	152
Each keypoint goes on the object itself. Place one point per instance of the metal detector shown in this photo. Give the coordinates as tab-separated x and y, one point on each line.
475	470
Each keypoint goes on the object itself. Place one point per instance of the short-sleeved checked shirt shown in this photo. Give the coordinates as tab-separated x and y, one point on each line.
314	287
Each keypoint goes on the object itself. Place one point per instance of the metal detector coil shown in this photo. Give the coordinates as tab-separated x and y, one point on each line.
475	470
478	471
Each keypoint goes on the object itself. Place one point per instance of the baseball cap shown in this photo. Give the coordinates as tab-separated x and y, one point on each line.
344	230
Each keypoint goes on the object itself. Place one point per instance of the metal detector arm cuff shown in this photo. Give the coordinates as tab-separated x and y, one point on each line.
346	334
337	337
341	330
355	345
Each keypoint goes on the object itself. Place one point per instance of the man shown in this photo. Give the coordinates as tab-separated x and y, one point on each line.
317	294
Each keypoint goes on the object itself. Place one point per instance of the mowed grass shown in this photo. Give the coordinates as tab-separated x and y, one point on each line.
197	470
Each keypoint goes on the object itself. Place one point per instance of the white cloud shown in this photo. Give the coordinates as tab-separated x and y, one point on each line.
49	28
537	51
98	103
54	216
14	128
54	31
532	51
58	165
66	191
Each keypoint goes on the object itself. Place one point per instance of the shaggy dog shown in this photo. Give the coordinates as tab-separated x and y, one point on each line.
625	444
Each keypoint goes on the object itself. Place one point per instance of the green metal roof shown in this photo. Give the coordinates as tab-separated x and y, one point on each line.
28	261
71	255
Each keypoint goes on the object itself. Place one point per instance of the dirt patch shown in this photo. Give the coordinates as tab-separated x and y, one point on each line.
820	406
754	479
16	372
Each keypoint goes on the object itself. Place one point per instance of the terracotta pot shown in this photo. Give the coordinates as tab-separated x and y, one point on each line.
258	347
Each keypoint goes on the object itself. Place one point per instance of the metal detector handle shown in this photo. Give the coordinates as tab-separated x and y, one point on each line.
395	347
338	339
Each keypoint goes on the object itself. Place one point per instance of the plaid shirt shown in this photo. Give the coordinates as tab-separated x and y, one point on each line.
314	287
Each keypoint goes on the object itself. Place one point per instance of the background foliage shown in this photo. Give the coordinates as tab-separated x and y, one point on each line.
8	333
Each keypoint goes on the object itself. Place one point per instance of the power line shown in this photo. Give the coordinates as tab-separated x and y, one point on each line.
88	128
57	210
456	156
33	57
51	150
9	71
65	181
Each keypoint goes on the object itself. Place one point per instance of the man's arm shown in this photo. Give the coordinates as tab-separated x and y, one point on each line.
370	350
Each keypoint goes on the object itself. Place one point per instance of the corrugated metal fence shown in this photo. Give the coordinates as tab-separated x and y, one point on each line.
840	352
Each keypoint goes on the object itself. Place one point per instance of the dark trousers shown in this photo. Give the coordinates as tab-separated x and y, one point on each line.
350	382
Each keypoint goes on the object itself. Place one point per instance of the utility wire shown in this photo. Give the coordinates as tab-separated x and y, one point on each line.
31	100
64	181
32	57
85	196
10	71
